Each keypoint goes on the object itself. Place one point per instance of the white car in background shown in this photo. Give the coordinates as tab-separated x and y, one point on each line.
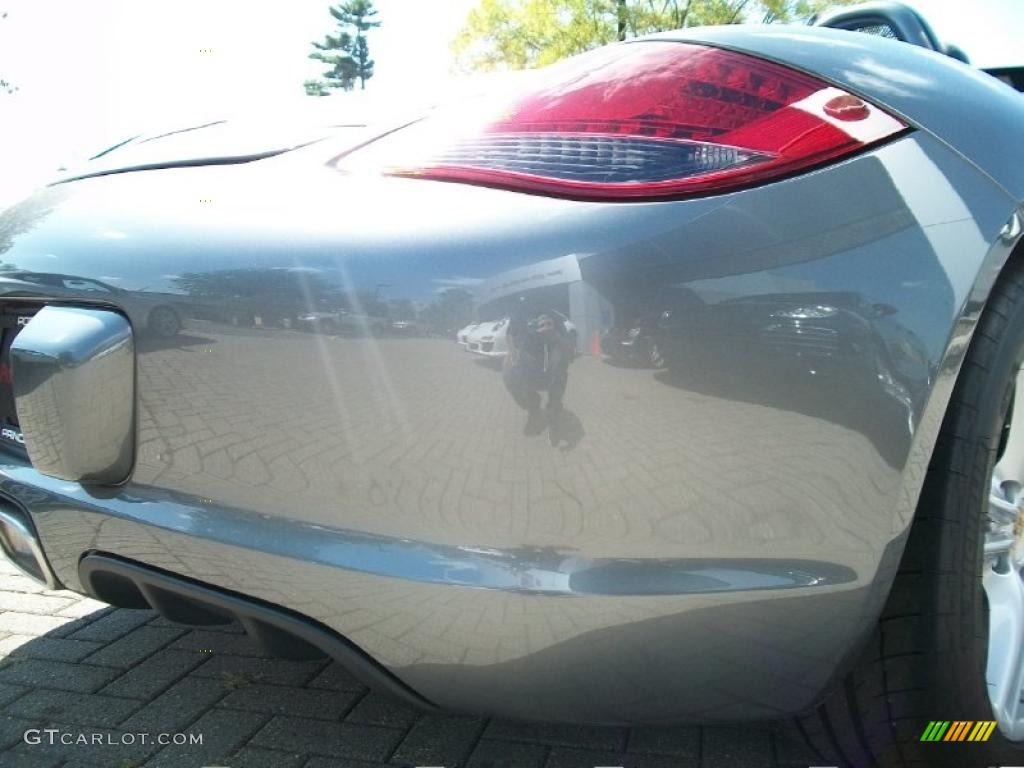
462	337
489	338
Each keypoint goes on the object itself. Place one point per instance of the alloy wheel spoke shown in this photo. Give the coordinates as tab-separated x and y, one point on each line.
1002	514
1011	463
1001	511
1003	565
998	544
1005	672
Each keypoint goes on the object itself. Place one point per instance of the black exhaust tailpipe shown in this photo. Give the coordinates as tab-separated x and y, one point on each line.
282	632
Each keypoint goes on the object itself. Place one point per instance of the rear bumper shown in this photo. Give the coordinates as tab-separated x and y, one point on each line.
280	631
523	634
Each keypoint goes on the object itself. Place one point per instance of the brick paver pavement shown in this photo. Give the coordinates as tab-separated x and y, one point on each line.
73	664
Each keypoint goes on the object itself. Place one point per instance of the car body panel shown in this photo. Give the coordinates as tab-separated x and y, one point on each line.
704	542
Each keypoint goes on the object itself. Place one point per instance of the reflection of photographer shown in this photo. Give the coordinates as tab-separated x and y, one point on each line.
539	353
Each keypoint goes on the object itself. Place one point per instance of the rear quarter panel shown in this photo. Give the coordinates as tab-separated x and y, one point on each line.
704	542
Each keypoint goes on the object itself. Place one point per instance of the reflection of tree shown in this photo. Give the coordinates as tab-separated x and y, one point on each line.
277	293
274	293
363	303
24	216
401	309
452	310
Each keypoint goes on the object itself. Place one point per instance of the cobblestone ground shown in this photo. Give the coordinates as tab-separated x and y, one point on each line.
73	664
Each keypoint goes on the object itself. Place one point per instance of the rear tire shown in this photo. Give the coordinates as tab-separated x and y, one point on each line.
926	660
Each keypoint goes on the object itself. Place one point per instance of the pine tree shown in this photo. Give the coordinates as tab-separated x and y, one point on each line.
347	52
515	34
334	51
4	84
315	88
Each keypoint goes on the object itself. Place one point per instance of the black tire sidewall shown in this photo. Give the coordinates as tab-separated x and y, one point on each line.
927	659
992	394
953	514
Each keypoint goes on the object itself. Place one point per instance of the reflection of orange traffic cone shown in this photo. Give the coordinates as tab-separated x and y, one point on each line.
595	344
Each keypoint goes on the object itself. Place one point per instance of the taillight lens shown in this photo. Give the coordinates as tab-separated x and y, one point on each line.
637	121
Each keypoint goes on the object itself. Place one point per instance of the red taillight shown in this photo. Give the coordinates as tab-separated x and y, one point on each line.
639	121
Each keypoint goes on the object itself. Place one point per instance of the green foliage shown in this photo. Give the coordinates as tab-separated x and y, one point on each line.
401	309
24	217
334	51
315	88
796	10
516	34
346	53
452	310
6	86
275	294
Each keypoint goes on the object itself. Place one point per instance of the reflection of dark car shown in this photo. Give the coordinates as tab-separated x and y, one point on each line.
638	341
826	335
156	313
634	343
807	346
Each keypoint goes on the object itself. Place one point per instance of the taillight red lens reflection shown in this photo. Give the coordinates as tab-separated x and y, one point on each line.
646	120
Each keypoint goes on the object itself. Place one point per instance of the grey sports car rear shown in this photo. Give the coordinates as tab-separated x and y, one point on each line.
712	539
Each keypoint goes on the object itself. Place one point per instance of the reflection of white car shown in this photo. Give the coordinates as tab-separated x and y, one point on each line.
462	337
489	339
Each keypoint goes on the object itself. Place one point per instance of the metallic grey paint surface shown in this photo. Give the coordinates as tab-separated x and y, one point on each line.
73	372
706	541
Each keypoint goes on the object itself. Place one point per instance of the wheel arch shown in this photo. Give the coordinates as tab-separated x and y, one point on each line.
839	728
1006	249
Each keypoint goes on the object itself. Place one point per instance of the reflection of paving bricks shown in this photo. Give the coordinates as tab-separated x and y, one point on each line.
125	673
413	440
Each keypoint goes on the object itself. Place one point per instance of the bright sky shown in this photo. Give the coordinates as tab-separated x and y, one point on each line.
989	31
92	72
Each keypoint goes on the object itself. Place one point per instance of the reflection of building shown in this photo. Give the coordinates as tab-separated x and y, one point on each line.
553	284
